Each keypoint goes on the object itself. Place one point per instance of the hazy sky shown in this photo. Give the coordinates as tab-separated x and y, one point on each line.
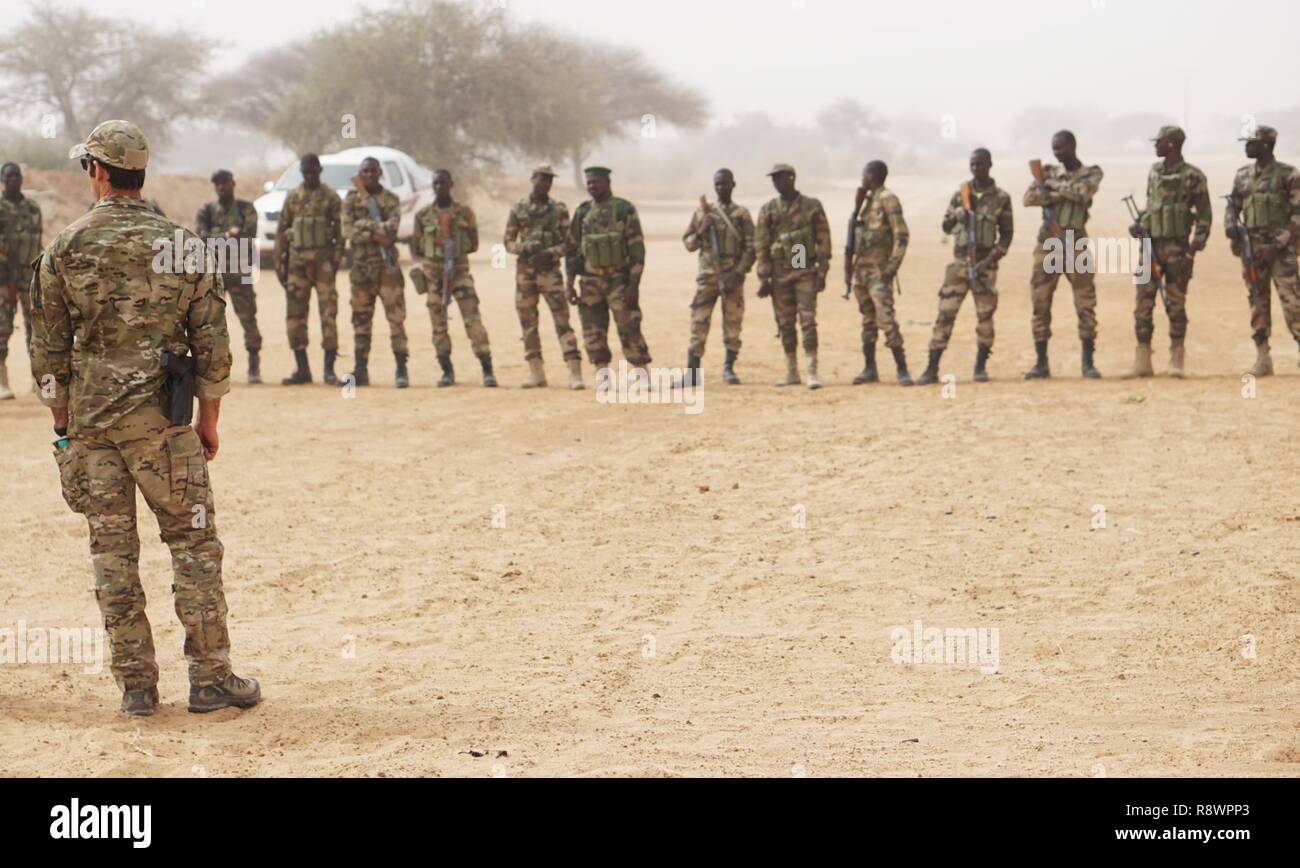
935	57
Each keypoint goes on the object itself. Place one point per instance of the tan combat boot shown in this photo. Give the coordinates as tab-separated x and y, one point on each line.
575	375
1177	357
813	382
791	372
536	375
6	393
1263	366
1141	364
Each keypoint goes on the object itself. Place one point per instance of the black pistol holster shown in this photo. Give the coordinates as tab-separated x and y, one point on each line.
182	380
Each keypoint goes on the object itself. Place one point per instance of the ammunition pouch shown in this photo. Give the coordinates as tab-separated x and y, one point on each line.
1171	220
311	233
787	244
605	250
420	281
986	230
1071	215
1266	211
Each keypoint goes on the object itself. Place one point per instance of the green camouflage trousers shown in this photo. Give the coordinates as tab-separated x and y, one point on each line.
462	292
1282	274
530	288
1042	287
794	300
956	284
99	476
1175	257
876	302
308	272
599	297
8	316
243	299
702	307
393	297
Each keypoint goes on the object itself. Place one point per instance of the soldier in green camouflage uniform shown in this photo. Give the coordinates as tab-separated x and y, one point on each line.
309	246
537	231
1065	196
733	227
20	242
793	245
1267	196
880	238
461	230
1178	217
607	249
104	312
994	229
372	241
235	221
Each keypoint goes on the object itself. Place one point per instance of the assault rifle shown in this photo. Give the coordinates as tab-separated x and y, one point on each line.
1249	267
968	203
859	199
1157	272
1049	212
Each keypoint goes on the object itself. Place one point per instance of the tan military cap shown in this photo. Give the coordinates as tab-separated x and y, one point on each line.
1171	132
1268	135
781	168
119	144
544	170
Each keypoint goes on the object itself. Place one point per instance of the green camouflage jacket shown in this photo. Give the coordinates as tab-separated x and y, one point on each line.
107	300
995	222
360	229
1185	189
1068	194
614	221
20	239
546	228
1272	197
735	237
881	237
785	232
428	234
310	224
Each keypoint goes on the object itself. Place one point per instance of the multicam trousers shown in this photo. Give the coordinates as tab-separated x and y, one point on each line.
100	475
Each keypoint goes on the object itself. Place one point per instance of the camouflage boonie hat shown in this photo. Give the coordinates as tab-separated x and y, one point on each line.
1267	135
1171	132
119	144
782	168
545	170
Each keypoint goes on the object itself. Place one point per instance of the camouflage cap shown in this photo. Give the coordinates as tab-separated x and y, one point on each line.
119	144
597	170
782	168
1171	133
1267	135
544	170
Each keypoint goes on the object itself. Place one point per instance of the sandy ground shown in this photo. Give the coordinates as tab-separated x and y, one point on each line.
649	607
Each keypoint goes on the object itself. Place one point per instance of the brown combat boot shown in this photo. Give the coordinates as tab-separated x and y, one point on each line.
234	692
1141	364
791	372
575	375
536	375
1263	366
1177	359
140	703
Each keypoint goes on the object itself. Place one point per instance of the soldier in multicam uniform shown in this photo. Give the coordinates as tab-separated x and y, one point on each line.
537	231
1065	196
309	247
994	229
880	239
734	229
1178	218
793	244
20	242
607	249
97	296
235	220
371	277
1267	196
447	226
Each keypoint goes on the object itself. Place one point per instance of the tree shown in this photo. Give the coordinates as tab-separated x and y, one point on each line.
86	68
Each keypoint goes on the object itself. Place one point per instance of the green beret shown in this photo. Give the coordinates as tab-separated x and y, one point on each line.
597	170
